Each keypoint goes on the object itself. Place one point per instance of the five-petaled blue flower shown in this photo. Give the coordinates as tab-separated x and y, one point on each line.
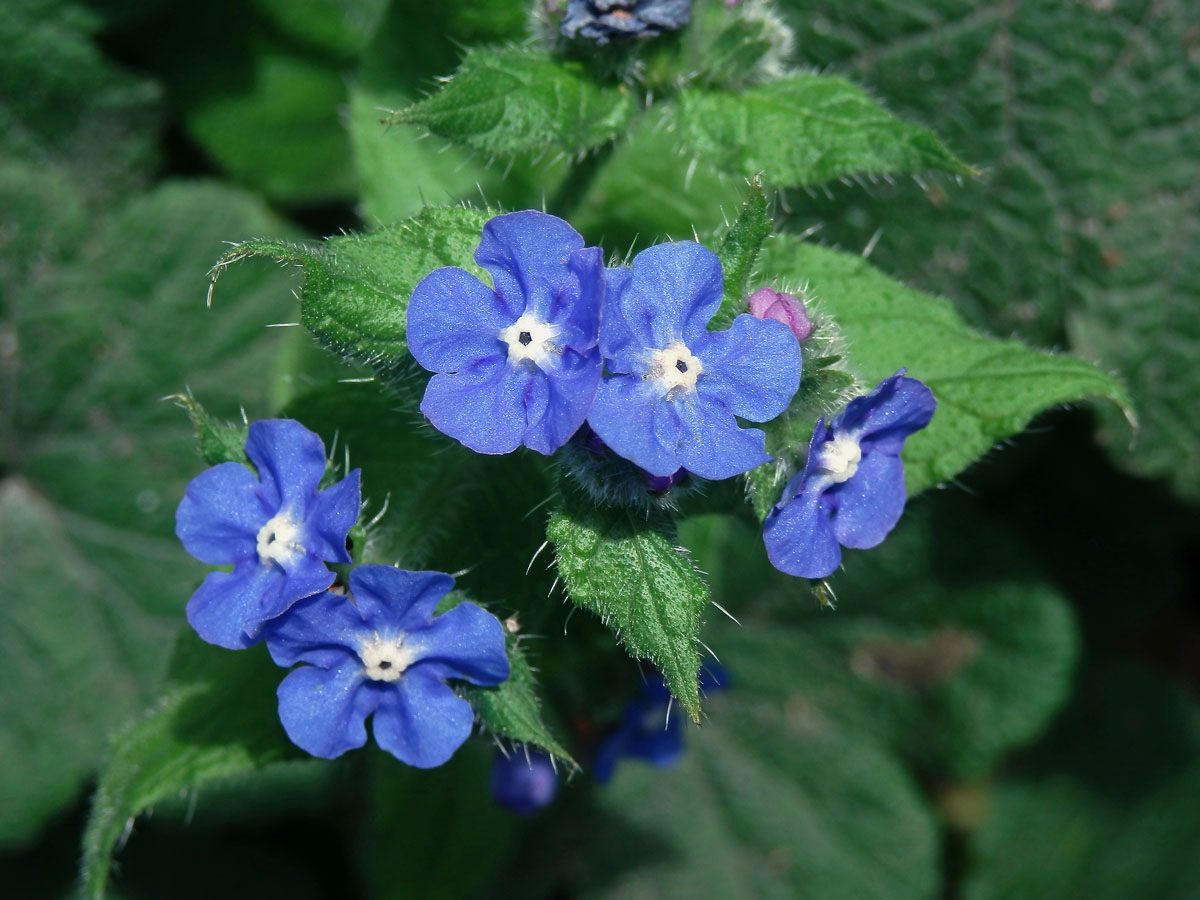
648	731
676	389
524	782
516	364
852	490
382	651
603	20
277	530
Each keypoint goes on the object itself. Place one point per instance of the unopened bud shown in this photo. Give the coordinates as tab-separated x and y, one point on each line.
770	304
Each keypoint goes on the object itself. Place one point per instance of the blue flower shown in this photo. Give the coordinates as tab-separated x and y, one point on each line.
524	782
677	389
516	364
647	731
851	491
383	652
277	530
602	20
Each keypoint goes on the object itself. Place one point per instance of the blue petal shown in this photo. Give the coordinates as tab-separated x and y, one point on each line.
560	399
484	409
225	602
392	599
318	630
884	418
323	711
800	539
290	460
753	369
636	423
617	344
420	721
869	505
576	307
527	253
675	289
332	517
711	443
523	782
465	642
220	515
454	320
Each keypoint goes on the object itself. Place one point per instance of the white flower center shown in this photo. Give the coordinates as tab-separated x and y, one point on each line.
385	659
839	457
674	369
279	540
530	338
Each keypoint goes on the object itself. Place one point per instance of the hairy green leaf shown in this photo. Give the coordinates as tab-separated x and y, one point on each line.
215	719
804	129
986	389
627	569
739	249
357	287
518	99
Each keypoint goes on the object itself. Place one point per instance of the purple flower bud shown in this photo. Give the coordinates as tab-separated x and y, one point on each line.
524	783
769	304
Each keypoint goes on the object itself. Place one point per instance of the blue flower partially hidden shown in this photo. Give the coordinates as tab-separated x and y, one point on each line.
524	782
515	364
677	389
383	652
851	492
276	529
647	731
603	20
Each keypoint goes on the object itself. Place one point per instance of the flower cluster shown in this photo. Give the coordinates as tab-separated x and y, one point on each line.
377	650
558	339
604	20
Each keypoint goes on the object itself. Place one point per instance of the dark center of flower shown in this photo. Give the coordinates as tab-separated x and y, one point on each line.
385	664
525	338
680	365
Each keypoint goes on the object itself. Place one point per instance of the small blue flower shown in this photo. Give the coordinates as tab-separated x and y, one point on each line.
851	491
524	782
516	364
647	731
677	389
277	530
383	652
602	20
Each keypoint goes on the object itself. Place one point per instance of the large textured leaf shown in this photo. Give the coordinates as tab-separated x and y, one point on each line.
95	463
627	569
804	129
517	99
357	287
216	719
987	389
1085	117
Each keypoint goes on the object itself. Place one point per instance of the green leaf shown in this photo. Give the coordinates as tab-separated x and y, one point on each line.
1079	235
512	710
94	462
337	26
739	249
804	129
518	99
216	718
357	287
628	570
986	389
219	441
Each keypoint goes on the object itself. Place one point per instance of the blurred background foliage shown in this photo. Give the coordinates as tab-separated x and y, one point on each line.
1004	702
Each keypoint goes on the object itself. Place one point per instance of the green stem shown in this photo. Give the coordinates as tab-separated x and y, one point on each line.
574	186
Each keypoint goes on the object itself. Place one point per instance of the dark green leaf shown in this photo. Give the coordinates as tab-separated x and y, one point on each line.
357	287
219	441
627	569
987	389
337	26
518	99
1086	119
217	718
804	129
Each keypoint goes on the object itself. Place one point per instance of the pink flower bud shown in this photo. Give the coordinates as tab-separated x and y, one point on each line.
769	304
